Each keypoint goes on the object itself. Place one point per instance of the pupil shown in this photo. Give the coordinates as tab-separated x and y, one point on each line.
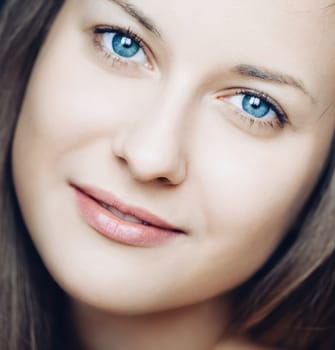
255	106
126	42
255	102
125	46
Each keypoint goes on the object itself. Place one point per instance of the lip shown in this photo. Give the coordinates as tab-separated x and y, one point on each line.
155	231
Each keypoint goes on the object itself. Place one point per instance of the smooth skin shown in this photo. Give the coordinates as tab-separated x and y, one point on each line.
169	130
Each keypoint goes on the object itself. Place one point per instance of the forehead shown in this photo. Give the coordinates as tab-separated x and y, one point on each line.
228	10
275	24
213	12
276	20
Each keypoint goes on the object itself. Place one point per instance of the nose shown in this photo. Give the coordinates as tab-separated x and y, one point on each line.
153	149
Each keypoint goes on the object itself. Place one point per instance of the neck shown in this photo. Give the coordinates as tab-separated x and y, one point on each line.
195	327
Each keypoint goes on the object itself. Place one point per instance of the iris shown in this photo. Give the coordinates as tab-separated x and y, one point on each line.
255	106
124	46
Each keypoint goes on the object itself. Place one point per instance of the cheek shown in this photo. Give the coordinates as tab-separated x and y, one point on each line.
79	103
252	189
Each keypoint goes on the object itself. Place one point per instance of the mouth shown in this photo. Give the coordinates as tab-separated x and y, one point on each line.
125	217
122	223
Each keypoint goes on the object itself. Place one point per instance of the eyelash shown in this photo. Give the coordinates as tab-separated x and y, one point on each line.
281	118
99	31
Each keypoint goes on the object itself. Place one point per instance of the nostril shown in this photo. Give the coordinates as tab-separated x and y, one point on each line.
122	160
163	180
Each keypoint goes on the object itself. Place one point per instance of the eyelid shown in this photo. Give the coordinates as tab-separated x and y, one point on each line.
275	106
102	29
99	30
259	127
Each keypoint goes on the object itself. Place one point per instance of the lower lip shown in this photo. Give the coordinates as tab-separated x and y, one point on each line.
116	229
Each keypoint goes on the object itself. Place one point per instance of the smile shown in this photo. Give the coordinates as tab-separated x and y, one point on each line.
119	222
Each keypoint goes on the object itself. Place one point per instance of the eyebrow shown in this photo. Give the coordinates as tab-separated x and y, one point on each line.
271	76
134	12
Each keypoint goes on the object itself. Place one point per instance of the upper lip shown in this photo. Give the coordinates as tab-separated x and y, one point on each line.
108	198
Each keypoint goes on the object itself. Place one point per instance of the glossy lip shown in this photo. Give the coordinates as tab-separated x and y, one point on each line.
154	232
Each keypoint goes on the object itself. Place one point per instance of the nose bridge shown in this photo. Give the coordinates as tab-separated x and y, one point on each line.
166	116
154	146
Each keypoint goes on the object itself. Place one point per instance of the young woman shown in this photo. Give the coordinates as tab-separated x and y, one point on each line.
167	175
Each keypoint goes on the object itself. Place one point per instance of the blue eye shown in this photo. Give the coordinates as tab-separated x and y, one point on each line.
123	45
257	107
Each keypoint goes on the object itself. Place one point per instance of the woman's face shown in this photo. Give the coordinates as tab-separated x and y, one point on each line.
163	148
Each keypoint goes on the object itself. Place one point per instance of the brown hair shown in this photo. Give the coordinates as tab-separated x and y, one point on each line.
31	305
288	303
